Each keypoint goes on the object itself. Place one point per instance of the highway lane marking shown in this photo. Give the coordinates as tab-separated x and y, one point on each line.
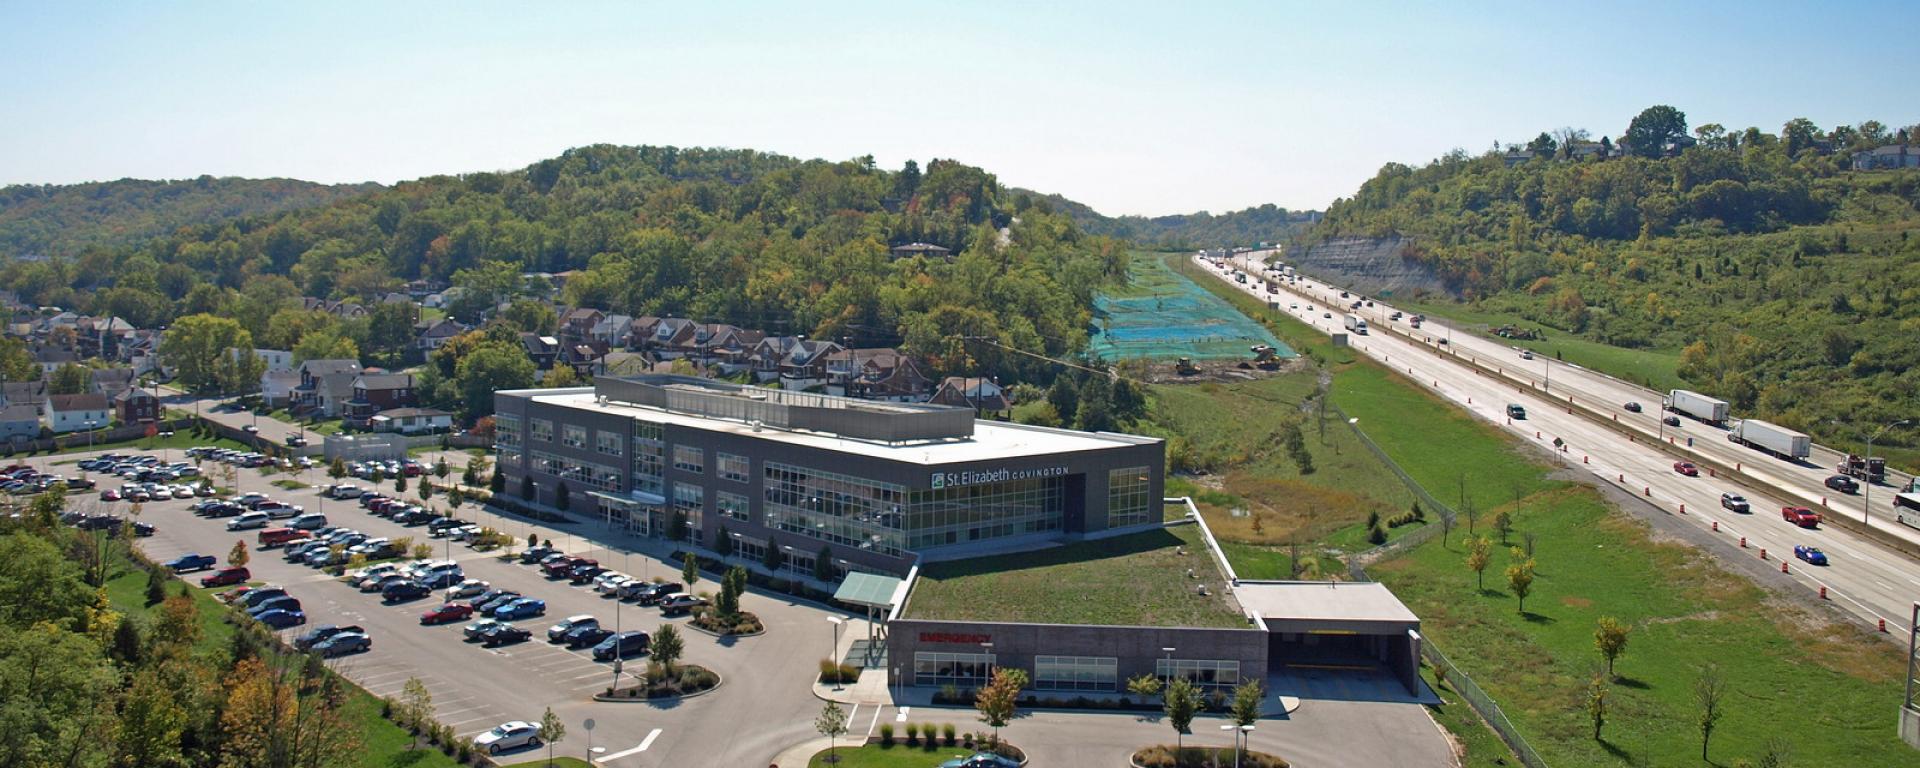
644	744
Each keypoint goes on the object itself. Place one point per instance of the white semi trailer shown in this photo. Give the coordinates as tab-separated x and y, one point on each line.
1357	324
1771	438
1697	405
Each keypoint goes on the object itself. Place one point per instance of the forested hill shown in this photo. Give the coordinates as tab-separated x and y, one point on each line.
1785	275
734	236
1262	224
50	220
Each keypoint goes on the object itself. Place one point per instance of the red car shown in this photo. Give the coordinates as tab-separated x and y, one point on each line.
226	577
1686	468
447	613
560	568
1800	516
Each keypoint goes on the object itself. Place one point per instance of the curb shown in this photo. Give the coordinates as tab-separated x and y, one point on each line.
719	680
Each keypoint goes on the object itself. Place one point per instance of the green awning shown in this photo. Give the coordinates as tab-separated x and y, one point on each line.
867	589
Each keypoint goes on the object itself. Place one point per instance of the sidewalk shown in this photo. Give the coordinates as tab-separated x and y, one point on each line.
797	755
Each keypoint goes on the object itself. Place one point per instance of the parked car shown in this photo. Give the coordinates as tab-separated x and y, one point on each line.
511	735
681	603
1800	516
568	624
381	582
560	569
287	602
1735	502
585	637
471	588
981	760
622	645
308	522
503	634
191	562
258	595
1812	555
281	618
653	594
248	520
1843	484
489	596
110	494
534	554
308	638
475	630
1686	468
446	613
226	577
343	643
442	579
523	608
585	573
404	590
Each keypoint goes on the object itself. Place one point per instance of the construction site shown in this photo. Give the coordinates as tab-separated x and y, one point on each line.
1163	317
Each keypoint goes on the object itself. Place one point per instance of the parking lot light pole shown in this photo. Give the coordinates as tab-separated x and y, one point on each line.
1239	732
833	654
989	648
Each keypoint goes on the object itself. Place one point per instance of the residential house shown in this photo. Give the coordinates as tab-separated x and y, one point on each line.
413	421
112	381
585	358
442	298
576	325
432	336
668	337
798	362
421	289
72	413
376	392
100	336
325	386
1886	158
725	345
276	387
135	406
51	358
641	332
19	423
28	393
876	374
345	310
612	330
543	350
983	395
275	359
394	297
928	250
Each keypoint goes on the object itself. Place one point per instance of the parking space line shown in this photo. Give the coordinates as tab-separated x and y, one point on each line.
644	744
878	709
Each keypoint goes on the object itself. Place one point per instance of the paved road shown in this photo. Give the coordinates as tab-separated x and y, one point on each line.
1865	578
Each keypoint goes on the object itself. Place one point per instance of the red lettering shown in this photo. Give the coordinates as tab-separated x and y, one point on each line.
954	637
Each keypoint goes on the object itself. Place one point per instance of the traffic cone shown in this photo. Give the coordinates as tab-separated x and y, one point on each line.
1743	542
1763	553
1716	526
1823	593
1783	566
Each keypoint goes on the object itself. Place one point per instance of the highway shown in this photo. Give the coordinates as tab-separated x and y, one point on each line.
1865	578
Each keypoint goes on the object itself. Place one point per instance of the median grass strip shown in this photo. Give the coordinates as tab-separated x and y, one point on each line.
1138	579
1653	368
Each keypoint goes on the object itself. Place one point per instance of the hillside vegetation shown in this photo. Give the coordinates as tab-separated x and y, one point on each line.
1187	231
50	220
1778	270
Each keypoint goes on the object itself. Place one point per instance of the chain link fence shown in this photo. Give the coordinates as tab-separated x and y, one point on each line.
1456	678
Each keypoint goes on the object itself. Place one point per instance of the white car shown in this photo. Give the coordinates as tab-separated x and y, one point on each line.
471	588
505	736
248	520
609	583
373	572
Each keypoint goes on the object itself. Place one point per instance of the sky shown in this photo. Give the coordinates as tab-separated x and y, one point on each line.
1143	108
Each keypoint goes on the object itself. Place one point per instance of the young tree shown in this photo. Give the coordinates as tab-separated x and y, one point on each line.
1597	703
831	723
526	487
422	550
1479	556
1503	524
823	565
1610	638
999	700
562	497
440	468
1145	685
1520	579
551	731
415	708
667	647
1181	703
426	490
399	482
156	586
1246	703
1708	690
689	571
151	724
773	559
456	497
471	476
723	542
239	555
677	529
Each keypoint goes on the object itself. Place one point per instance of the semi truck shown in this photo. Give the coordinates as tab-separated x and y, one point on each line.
1357	324
1697	405
1771	438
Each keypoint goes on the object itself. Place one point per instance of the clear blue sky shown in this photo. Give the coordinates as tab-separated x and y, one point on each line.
1152	107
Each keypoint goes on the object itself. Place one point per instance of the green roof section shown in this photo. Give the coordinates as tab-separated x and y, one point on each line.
868	590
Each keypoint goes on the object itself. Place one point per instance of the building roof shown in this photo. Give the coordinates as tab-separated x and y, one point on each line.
86	402
385	381
868	590
133	394
1321	601
413	413
19	413
926	248
327	366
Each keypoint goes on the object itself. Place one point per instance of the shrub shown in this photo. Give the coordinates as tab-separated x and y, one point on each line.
1373	518
465	753
886	734
947	734
913	734
1377	536
831	672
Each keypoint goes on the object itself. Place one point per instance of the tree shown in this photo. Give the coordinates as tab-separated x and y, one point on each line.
1503	524
497	482
560	376
1145	685
1181	703
1520	578
151	724
677	529
440	468
426	490
526	487
69	379
1479	556
1799	134
390	329
415	709
471	475
552	731
1597	703
490	367
723	542
338	469
1247	699
399	482
1543	145
239	555
774	559
727	604
327	344
1610	638
1653	129
562	497
831	723
199	348
1708	690
689	570
823	564
422	550
156	586
667	647
999	700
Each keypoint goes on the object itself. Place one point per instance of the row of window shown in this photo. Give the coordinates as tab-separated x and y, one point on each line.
506	429
585	473
1129	497
1067	673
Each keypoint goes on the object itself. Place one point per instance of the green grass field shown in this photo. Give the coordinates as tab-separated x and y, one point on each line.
1139	579
1654	368
180	441
897	756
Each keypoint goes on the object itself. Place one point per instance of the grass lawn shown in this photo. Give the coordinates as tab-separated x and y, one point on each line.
1483	748
1654	368
1138	579
559	761
289	485
897	756
180	441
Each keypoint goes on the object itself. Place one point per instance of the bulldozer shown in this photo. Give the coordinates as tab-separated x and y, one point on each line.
1265	357
1517	333
1185	367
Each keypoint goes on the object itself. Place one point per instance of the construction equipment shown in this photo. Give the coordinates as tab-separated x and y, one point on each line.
1516	332
1265	356
1185	367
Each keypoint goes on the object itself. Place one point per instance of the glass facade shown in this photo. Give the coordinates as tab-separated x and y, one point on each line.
586	473
833	507
1129	499
572	436
506	429
1076	673
733	505
964	670
732	466
687	458
1206	673
649	452
543	430
691	501
607	443
978	512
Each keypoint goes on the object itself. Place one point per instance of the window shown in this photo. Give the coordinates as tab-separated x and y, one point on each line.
963	670
733	505
572	436
689	459
543	430
732	466
585	473
649	451
1128	501
963	514
1075	673
506	429
1206	673
607	442
836	508
690	500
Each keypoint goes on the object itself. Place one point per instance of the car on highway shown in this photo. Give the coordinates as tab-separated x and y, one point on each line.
1526	354
308	638
503	634
523	608
505	736
446	613
622	645
250	429
1516	411
226	577
1843	484
1672	421
1812	555
682	603
1632	407
557	631
471	588
1800	516
281	618
1735	502
1686	468
403	590
585	637
981	760
342	644
1327	315
191	562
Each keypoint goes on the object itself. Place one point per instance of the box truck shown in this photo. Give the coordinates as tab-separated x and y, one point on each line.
1772	438
1357	324
1697	405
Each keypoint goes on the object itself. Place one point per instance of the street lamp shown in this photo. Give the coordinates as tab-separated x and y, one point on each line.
833	654
988	646
1239	732
1169	651
791	565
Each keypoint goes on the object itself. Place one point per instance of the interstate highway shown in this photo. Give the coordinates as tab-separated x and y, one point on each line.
1865	578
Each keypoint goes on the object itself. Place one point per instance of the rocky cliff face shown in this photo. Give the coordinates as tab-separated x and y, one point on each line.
1374	266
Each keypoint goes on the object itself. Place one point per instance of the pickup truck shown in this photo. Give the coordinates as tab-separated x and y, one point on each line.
1800	516
185	563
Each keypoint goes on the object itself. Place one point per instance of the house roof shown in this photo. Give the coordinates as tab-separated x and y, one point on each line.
133	394
329	366
86	402
413	413
28	391
384	381
926	248
19	413
112	380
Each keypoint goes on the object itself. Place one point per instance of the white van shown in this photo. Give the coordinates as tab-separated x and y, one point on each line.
248	520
